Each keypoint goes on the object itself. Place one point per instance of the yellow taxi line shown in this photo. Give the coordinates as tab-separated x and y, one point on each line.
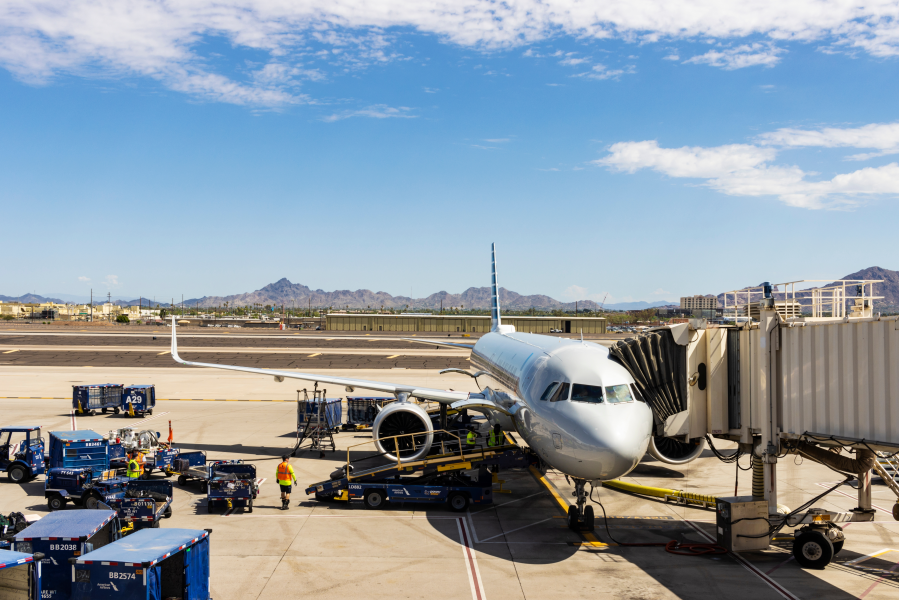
591	539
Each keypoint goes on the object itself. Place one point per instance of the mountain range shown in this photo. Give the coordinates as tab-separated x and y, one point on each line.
298	295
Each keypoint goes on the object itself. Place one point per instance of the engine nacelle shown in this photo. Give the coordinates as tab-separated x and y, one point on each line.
674	452
398	419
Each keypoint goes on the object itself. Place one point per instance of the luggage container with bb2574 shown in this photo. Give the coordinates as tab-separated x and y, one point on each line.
151	564
20	575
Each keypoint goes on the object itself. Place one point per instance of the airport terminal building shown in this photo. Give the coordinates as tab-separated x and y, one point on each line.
460	323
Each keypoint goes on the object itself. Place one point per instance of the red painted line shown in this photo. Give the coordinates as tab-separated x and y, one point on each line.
780	565
749	566
474	577
74	423
879	579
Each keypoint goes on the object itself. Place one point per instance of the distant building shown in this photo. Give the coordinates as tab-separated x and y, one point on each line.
699	302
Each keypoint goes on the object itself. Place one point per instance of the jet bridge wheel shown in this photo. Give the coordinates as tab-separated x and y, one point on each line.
813	550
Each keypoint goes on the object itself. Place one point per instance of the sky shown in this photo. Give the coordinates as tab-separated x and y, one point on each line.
638	150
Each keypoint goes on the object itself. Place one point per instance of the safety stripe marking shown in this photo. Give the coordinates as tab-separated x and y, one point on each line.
74	423
869	556
316	354
10	351
166	352
564	506
394	356
471	562
748	566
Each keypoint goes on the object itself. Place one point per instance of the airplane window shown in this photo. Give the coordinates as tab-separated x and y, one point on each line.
637	395
618	394
586	393
550	391
562	394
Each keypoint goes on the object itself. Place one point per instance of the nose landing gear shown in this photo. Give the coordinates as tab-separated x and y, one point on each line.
580	518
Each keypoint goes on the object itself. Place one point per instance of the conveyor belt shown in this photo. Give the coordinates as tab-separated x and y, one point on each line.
507	456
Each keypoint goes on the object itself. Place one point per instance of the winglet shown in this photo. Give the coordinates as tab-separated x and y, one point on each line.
175	343
496	320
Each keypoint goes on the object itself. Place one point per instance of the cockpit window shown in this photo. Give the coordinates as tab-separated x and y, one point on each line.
561	394
553	387
636	393
617	394
586	393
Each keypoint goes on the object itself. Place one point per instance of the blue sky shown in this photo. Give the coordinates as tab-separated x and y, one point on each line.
645	152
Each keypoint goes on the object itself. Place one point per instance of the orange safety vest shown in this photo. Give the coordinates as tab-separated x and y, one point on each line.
285	472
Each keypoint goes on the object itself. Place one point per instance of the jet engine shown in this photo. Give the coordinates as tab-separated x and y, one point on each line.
398	419
675	452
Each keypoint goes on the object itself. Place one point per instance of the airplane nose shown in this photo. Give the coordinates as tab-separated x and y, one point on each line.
614	445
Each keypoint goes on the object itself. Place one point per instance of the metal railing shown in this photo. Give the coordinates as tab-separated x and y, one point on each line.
447	448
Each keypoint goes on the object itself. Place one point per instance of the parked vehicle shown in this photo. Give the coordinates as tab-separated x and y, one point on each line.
22	452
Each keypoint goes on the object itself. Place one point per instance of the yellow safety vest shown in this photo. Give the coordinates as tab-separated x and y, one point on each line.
494	439
285	473
470	438
133	469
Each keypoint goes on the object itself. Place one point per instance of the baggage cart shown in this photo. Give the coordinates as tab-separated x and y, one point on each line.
20	575
22	452
82	487
190	466
457	493
231	484
138	400
61	536
141	503
78	450
103	397
361	411
161	563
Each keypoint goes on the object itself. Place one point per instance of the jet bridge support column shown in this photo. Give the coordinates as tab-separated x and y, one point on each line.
864	481
769	442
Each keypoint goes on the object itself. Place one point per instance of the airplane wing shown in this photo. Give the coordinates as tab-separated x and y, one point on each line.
389	388
435	343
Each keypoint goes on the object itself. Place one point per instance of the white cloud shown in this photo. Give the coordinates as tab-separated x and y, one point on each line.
572	61
601	72
882	137
168	41
661	292
111	281
498	140
83	278
674	56
431	90
748	55
376	111
744	170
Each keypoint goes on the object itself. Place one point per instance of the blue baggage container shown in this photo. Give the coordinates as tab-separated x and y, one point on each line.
142	398
308	413
87	399
151	564
18	570
361	411
232	484
83	449
62	535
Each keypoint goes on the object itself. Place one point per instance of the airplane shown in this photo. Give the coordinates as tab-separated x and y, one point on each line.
574	405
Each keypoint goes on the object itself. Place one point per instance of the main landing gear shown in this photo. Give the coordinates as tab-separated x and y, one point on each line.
580	517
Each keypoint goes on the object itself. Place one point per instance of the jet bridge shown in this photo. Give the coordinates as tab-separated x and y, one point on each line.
804	371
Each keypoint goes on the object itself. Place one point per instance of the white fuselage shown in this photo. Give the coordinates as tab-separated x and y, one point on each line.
593	439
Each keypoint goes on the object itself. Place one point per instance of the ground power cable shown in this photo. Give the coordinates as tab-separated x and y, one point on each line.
671	546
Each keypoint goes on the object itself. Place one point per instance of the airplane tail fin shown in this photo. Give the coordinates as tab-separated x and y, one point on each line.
496	320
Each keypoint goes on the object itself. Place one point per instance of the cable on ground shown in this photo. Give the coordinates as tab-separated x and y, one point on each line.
671	546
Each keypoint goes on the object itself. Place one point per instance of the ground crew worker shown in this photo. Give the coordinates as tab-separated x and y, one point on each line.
471	439
496	436
133	467
140	462
285	479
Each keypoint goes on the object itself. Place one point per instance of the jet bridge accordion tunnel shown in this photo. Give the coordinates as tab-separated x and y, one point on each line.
775	386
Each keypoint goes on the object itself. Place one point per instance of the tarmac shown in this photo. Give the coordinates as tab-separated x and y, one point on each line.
519	547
